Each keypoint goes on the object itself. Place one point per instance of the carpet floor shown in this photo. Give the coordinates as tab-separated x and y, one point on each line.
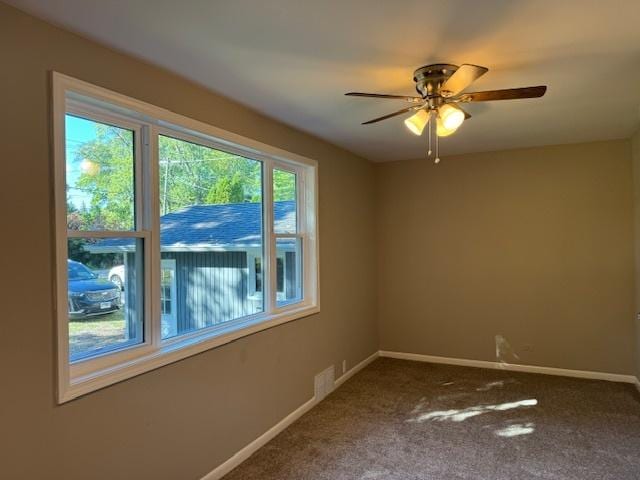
402	420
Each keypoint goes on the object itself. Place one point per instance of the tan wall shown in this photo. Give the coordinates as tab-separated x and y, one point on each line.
535	246
179	421
635	158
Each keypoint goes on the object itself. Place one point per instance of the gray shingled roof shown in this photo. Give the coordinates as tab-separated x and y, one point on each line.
211	227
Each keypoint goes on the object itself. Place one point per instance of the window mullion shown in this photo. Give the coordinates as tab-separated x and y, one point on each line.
269	263
303	229
152	202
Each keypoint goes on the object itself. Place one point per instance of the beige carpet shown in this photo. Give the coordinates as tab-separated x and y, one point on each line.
408	420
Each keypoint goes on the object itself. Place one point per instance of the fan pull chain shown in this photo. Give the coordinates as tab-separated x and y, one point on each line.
429	134
437	140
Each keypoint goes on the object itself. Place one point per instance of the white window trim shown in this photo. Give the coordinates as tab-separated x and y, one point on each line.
79	378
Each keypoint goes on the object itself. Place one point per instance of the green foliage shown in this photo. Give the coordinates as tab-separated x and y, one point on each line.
227	190
284	185
107	176
192	174
189	174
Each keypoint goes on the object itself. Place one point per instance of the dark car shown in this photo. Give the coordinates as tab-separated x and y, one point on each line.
88	294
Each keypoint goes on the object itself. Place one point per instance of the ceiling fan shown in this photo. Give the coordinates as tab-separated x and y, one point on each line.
441	88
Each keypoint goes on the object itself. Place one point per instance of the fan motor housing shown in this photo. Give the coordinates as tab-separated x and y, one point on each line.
430	78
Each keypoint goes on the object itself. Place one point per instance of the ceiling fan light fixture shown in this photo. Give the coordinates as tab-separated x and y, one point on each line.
451	117
416	122
443	131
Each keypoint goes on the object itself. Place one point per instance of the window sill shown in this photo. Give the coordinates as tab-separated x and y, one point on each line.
177	349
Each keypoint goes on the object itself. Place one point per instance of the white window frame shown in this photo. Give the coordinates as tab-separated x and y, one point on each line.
300	234
83	376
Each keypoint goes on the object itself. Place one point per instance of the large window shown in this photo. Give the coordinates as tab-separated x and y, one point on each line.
172	236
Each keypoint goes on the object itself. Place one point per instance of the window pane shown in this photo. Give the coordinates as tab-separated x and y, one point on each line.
211	229
288	271
100	175
105	309
285	215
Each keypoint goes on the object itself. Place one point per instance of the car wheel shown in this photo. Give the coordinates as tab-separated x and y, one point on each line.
117	280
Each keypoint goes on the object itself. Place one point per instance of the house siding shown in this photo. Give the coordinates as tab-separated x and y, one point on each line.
211	287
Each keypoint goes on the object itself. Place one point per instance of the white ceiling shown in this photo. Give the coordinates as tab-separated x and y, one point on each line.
293	60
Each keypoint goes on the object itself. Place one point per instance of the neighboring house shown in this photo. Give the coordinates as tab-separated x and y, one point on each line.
212	252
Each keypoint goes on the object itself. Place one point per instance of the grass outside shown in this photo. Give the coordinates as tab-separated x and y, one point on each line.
93	333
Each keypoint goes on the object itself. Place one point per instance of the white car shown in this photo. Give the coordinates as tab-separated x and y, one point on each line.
116	275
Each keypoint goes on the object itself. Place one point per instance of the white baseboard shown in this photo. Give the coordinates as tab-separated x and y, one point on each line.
612	377
240	456
351	372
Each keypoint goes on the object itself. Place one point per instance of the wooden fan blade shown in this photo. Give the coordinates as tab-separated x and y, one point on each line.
384	95
399	112
464	76
506	94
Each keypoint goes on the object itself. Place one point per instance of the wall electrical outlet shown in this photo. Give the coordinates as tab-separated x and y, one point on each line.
324	383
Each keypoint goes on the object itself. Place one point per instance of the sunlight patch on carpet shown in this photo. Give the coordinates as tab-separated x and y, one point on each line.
459	415
516	430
